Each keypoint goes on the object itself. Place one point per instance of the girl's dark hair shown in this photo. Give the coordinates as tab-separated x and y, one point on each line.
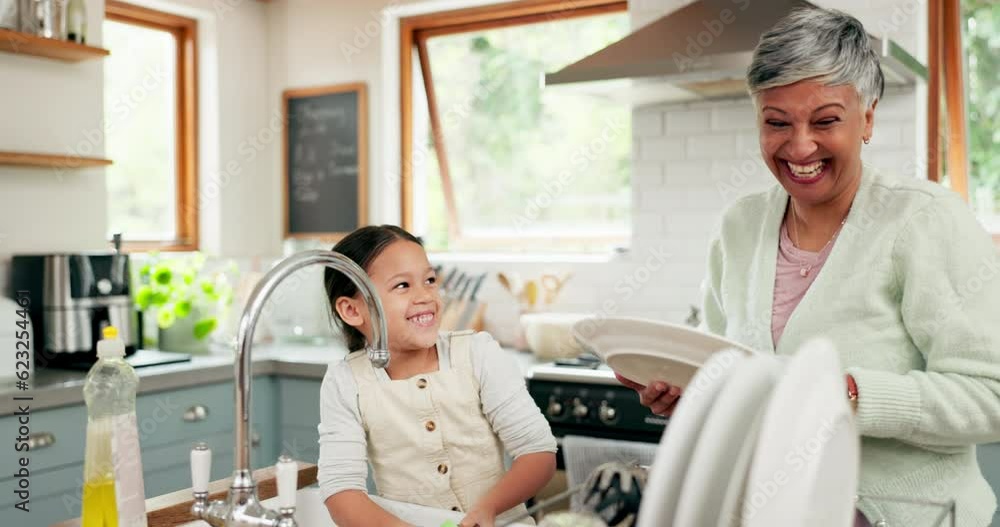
362	247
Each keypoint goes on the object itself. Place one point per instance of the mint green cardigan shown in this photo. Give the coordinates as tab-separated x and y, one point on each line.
910	296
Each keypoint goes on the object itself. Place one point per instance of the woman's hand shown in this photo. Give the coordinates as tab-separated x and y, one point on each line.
660	397
479	516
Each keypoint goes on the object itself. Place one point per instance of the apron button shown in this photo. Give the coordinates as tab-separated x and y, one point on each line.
442	468
430	426
421	383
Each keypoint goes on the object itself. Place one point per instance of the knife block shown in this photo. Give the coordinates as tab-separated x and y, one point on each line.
462	315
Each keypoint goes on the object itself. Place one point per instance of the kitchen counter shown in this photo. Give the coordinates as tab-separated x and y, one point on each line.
54	388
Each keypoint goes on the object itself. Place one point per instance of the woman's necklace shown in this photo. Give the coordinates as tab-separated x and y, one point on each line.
805	267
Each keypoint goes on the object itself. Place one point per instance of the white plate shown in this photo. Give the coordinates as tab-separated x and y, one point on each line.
666	475
731	513
646	350
805	468
721	439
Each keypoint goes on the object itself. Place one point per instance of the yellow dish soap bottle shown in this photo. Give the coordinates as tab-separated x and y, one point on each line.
113	493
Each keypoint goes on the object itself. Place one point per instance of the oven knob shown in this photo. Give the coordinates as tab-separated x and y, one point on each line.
607	413
555	408
580	410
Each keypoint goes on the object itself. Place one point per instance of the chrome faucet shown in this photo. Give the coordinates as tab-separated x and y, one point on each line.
242	508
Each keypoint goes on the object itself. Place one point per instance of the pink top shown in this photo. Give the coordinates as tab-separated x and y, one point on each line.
789	288
789	284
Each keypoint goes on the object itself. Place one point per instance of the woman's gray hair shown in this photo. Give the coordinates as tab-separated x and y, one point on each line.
829	46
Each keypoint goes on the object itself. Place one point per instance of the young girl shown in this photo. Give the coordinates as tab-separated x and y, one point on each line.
434	424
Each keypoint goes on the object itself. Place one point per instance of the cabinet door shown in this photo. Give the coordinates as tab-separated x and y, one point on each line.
299	418
168	468
265	435
55	496
58	432
184	414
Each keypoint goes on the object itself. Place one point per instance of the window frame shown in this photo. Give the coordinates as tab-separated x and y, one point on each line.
946	98
413	34
185	30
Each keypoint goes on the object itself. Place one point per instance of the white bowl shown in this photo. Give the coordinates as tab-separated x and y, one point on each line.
549	335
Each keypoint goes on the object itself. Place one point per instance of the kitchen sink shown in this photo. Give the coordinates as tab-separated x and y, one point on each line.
310	512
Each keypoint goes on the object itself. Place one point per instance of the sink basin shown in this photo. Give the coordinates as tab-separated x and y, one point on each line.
310	512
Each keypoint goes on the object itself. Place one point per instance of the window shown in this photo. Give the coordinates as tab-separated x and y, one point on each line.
492	159
964	106
982	51
150	118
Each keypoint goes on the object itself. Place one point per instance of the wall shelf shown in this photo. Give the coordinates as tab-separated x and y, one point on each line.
51	161
26	44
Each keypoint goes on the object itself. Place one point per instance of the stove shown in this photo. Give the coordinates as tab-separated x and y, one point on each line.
582	397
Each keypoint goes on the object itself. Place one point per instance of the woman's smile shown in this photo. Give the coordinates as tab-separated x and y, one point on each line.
805	173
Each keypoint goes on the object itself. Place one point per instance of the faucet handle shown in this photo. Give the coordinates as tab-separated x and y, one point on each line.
287	472
201	467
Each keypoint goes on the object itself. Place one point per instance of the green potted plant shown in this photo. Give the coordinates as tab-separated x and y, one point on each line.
185	298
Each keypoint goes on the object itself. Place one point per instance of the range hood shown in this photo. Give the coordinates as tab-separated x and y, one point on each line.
701	51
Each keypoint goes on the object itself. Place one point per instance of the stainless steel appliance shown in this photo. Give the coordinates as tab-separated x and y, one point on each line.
582	397
702	51
73	297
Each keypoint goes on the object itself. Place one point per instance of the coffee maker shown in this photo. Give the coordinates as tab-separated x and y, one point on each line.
73	298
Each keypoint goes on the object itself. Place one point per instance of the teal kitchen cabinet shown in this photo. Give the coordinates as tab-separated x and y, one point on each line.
204	413
298	417
989	463
58	432
55	496
169	424
265	435
55	466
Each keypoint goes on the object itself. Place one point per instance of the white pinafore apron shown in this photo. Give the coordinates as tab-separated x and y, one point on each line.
429	442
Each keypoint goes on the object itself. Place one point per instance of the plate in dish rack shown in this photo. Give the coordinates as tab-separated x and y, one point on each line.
680	438
646	350
805	466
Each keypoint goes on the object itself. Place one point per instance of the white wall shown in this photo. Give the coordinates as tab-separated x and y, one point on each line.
52	107
238	140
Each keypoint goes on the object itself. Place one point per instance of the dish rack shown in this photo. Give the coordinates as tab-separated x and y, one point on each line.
947	509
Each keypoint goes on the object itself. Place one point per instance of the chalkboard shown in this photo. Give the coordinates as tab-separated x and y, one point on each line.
325	160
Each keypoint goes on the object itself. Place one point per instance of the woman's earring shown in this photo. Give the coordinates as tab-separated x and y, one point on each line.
866	140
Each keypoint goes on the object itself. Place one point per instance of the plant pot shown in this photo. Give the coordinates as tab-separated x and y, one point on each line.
180	337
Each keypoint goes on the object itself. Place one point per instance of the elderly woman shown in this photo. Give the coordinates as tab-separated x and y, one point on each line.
897	272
